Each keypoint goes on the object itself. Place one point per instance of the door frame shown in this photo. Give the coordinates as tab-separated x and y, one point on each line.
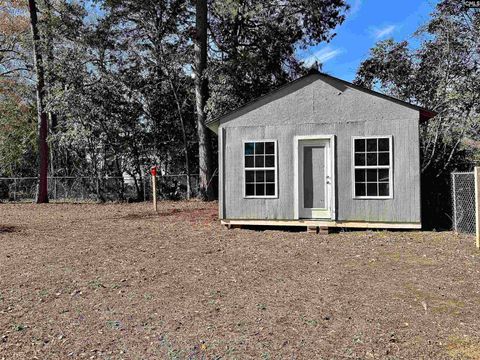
330	198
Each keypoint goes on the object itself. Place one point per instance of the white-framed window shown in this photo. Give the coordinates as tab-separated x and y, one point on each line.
260	168
372	167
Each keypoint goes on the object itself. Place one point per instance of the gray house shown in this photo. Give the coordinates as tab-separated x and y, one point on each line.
321	152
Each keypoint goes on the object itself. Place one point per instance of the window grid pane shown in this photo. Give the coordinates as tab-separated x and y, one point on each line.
259	148
260	169
270	147
360	145
249	148
372	167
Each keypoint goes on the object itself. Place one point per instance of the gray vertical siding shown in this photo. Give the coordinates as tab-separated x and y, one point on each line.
319	108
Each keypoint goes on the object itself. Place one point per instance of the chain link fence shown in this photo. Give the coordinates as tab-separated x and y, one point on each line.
463	195
172	187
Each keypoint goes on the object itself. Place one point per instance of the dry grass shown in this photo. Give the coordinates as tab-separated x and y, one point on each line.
118	282
463	348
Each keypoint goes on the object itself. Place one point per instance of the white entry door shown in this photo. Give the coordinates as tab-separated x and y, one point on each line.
315	178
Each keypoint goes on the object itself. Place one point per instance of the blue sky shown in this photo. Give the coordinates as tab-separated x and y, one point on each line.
368	21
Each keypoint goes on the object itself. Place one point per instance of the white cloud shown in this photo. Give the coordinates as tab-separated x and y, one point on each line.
383	32
322	56
355	6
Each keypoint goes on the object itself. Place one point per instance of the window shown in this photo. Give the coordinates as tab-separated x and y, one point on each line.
372	163
260	169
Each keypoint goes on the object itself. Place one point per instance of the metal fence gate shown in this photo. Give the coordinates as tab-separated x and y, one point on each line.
463	195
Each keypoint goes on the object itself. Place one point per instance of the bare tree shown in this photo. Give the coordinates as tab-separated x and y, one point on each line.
201	95
184	137
42	194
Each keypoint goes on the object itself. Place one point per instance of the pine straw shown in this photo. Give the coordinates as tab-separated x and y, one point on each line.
119	282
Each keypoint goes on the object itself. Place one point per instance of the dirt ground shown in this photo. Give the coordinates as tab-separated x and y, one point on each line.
117	281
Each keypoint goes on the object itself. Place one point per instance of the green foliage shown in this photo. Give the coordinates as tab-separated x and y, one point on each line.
120	88
17	135
390	67
19	327
253	45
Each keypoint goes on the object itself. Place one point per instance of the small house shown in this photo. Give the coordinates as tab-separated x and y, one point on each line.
321	152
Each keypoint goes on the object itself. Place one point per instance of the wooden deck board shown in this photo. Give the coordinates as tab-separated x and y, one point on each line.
321	223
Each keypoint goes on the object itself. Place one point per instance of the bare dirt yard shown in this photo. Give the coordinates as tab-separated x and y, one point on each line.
117	281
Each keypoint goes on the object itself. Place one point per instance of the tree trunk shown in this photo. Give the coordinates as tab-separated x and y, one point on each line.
42	194
201	94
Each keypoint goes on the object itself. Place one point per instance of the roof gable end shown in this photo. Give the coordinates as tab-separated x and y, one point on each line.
300	83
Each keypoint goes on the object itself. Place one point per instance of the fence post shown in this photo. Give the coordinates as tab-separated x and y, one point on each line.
15	189
144	185
154	188
97	188
454	203
477	205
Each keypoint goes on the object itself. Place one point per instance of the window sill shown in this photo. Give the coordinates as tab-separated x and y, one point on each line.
261	197
372	197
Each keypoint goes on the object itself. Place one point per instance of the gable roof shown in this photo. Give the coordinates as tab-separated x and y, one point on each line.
425	114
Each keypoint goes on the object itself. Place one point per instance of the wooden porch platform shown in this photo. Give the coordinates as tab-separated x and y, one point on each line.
321	224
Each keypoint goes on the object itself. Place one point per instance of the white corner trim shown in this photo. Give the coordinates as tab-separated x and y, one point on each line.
295	178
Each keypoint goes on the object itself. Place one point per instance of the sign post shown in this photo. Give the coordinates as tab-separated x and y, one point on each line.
153	172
